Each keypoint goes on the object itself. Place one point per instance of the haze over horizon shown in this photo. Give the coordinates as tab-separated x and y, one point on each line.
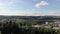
30	7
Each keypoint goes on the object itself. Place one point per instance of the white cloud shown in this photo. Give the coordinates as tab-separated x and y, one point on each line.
30	9
28	13
2	4
21	13
12	3
54	13
41	4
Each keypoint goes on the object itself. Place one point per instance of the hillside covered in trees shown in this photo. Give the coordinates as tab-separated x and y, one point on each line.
23	25
11	27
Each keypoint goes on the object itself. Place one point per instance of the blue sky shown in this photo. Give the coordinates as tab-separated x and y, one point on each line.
30	7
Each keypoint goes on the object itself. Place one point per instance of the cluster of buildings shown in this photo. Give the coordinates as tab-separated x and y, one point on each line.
53	24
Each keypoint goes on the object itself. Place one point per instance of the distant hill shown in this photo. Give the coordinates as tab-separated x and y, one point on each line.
33	19
30	17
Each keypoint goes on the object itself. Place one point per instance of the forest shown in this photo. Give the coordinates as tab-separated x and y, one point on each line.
12	27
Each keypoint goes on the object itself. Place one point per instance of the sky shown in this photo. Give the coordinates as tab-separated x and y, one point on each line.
30	7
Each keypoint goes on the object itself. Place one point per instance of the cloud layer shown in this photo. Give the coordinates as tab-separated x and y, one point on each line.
13	7
41	4
54	13
29	13
21	13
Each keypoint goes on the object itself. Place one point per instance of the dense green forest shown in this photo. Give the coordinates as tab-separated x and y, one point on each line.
12	27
